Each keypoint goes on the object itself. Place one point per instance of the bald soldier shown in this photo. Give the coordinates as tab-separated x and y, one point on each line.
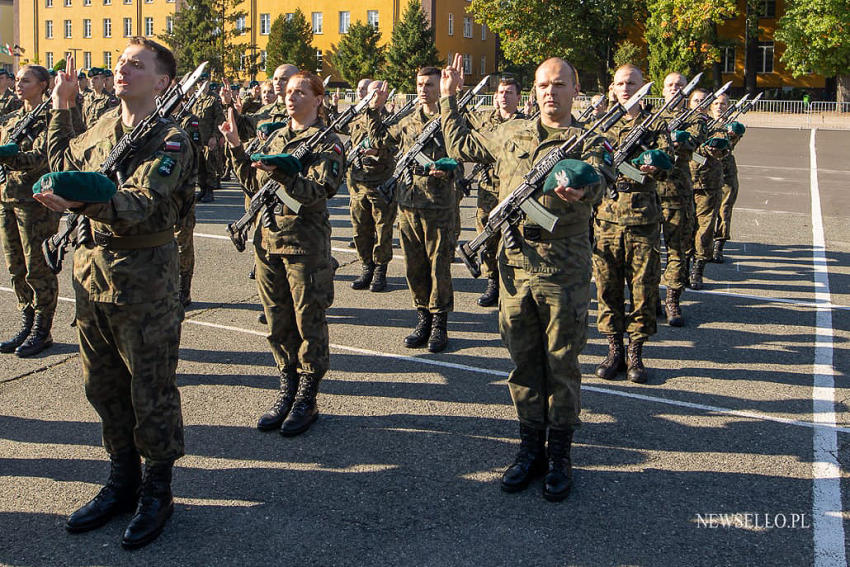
545	283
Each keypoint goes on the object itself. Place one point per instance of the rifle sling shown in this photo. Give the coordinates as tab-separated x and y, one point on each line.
135	242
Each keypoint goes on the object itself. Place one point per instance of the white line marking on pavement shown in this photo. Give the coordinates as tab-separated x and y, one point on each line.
827	511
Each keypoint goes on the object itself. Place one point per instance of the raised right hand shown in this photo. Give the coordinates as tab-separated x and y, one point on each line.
66	87
229	130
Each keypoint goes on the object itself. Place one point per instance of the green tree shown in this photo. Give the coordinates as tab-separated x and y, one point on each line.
358	54
60	65
206	30
290	42
681	36
629	52
816	34
411	47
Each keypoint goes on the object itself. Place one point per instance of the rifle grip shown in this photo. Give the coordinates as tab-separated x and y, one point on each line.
84	237
470	261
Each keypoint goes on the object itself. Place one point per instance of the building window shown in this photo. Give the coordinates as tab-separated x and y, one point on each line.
107	60
169	24
289	16
483	65
86	59
467	64
451	24
765	57
128	27
48	57
263	59
240	25
86	28
317	22
728	55
67	28
450	57
107	2
265	24
483	32
67	3
148	1
86	2
128	1
48	29
48	3
344	22
170	1
319	61
243	62
372	18
148	26
767	9
107	27
467	27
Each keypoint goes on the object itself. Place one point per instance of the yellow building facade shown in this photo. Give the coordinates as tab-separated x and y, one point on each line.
7	33
95	31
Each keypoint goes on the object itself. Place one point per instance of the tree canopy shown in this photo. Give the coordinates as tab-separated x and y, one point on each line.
411	47
290	41
358	54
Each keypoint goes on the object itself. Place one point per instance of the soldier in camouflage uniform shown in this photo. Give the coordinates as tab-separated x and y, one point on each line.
99	102
506	101
627	232
427	215
184	230
8	101
252	102
125	283
372	218
707	174
545	283
209	112
677	204
294	266
24	224
729	191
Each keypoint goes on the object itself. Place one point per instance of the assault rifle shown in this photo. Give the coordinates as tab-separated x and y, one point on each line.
352	152
685	115
21	131
54	246
414	153
186	106
585	114
739	110
520	202
636	137
273	193
724	116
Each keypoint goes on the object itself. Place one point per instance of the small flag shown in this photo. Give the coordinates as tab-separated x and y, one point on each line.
338	149
172	146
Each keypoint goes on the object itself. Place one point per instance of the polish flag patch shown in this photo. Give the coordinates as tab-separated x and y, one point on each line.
338	149
172	146
608	146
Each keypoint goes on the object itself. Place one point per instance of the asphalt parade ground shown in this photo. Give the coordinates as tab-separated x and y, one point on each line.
734	452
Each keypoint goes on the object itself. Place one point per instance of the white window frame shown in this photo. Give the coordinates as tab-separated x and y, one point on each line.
48	58
169	24
67	3
373	18
483	65
483	32
728	59
467	27
265	24
128	27
148	26
128	1
320	62
240	24
344	21
318	21
48	3
86	28
107	60
107	2
451	23
764	48
467	64
107	27
86	59
68	29
48	29
86	2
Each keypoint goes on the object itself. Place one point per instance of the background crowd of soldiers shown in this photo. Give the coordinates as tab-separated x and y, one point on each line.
611	197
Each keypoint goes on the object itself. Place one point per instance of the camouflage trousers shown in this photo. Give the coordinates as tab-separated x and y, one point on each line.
728	196
543	323
372	218
677	228
428	242
213	167
627	256
129	358
706	204
487	201
296	291
23	227
184	233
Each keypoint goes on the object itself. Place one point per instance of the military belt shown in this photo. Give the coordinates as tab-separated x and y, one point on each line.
534	233
627	186
134	242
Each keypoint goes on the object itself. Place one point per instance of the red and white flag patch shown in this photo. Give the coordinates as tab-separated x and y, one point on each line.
338	149
173	146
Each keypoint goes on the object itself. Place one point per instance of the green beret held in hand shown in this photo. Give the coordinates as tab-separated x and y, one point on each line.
444	164
736	128
287	164
85	186
9	150
655	158
570	173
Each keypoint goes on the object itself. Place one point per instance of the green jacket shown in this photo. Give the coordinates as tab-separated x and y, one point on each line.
96	106
368	170
156	190
677	188
23	169
210	116
309	231
513	148
9	102
486	121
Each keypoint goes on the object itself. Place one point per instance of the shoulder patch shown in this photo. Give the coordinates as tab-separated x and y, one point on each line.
172	146
335	168
338	149
166	166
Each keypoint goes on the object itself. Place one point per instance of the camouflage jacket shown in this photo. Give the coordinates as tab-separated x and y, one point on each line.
368	170
251	104
640	204
9	102
247	123
150	201
513	148
487	121
210	116
309	231
677	188
427	191
707	176
23	169
96	106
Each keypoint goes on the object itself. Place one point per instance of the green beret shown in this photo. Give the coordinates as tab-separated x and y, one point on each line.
204	76
269	127
444	164
681	136
9	150
284	162
570	173
254	84
51	72
717	143
95	71
214	86
107	73
655	158
736	128
85	186
81	74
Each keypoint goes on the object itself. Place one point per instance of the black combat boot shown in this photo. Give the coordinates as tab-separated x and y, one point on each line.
717	253
637	372
365	277
261	317
155	507
119	495
252	275
420	334
206	195
697	269
559	479
39	337
27	316
439	335
674	312
530	461
615	361
186	289
379	279
304	409
275	415
491	295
